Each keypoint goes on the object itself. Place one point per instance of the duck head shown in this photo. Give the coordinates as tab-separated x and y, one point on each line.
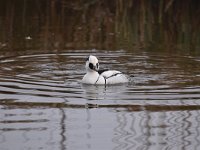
92	64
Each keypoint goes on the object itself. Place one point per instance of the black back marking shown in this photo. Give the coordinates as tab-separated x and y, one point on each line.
101	71
114	75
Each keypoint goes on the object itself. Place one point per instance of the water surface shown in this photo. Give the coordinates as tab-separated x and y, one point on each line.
43	105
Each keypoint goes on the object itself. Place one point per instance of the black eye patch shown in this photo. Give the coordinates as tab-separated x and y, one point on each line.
91	66
97	65
87	59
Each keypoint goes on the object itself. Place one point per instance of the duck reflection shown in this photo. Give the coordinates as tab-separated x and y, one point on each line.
102	92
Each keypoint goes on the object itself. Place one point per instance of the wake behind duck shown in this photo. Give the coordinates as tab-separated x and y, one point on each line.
95	76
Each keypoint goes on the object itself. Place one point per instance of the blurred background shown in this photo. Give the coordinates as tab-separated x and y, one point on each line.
101	24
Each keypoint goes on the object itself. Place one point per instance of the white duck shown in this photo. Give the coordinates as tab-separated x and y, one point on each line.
96	76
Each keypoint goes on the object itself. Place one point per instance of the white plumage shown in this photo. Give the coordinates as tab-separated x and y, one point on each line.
95	76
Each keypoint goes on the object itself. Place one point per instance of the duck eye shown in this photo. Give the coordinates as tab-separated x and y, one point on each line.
91	66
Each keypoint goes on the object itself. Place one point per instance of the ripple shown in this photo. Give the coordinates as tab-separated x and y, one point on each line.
58	75
42	100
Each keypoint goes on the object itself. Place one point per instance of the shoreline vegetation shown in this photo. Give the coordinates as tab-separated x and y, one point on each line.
100	24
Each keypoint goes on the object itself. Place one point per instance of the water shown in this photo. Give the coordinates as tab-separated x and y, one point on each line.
43	105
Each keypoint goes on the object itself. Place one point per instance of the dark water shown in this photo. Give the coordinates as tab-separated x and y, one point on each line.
87	24
43	46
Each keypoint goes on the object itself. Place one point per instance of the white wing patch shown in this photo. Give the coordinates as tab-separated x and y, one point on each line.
113	77
110	73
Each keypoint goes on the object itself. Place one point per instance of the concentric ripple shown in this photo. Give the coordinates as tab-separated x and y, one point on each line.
43	105
46	77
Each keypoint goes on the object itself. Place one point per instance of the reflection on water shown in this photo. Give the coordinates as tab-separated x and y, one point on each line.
114	24
43	105
158	130
96	128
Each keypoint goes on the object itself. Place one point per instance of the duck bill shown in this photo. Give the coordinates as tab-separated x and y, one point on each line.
95	68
